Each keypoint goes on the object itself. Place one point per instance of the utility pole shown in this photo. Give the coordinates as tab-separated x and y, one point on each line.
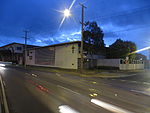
25	46
82	37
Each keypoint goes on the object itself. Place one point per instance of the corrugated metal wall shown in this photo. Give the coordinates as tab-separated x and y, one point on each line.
45	56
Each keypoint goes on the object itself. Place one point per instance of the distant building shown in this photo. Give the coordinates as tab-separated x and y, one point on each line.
63	55
17	51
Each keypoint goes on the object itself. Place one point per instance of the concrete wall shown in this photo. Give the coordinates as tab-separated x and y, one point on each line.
108	62
30	58
65	57
117	63
131	66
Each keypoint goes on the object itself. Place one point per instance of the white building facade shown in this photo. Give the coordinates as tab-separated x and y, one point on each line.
64	55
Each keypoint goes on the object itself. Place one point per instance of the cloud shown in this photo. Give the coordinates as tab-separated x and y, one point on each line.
76	33
59	38
37	40
42	19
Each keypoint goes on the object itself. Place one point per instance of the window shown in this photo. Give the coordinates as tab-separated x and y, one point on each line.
30	57
27	53
73	49
19	48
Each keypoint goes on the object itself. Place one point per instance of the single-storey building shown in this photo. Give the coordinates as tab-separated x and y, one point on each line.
63	55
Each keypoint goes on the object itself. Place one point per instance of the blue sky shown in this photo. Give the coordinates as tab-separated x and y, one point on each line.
125	19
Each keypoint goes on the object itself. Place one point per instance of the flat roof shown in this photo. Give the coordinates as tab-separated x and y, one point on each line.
60	44
17	43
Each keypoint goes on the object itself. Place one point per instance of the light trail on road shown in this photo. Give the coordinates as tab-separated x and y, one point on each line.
109	107
67	109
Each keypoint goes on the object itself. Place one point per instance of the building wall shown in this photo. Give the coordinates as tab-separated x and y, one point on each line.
45	56
64	56
30	58
67	56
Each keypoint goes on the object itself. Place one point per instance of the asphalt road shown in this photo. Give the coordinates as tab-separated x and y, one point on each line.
31	91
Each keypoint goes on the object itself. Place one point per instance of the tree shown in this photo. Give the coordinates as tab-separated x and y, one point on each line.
139	56
121	49
93	38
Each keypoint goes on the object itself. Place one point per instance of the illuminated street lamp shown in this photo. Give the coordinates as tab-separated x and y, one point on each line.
67	13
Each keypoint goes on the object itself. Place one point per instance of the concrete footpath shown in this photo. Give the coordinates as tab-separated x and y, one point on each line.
89	73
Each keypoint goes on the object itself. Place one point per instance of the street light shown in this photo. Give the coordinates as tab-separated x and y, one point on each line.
67	13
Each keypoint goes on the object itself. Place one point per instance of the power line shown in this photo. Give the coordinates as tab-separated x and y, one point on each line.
128	12
130	29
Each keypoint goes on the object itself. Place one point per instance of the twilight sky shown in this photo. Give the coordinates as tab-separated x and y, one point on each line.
125	19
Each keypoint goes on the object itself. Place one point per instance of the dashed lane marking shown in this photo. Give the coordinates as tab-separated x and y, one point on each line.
142	92
133	74
34	75
134	81
123	80
145	83
68	89
58	74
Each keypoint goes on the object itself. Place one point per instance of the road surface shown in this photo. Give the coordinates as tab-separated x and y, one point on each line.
31	91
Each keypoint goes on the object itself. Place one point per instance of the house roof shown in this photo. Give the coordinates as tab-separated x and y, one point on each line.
60	44
17	43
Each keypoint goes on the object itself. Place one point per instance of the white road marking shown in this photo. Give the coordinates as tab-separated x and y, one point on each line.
134	81
66	109
123	80
58	74
133	74
27	73
109	107
34	75
116	95
146	83
142	92
68	89
113	79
